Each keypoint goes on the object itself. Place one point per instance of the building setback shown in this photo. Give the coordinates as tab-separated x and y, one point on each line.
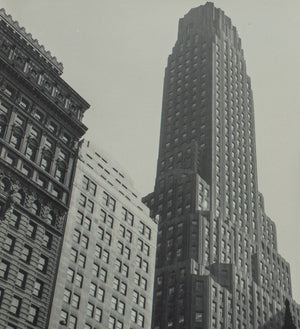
106	273
40	126
217	262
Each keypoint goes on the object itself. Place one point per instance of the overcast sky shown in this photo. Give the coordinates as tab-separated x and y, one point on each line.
114	54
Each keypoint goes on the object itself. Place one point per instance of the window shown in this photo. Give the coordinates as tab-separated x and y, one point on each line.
15	305
133	316
1	295
33	314
101	294
43	263
87	223
93	289
72	322
31	150
75	301
38	288
81	260
90	310
127	216
76	236
47	241
95	270
67	296
109	201
16	139
70	274
105	256
4	268
98	314
140	320
111	323
103	274
9	243
78	280
73	255
46	162
15	219
128	236
21	279
26	253
84	241
82	200
90	206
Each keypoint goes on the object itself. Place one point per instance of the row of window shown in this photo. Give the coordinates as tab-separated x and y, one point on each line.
15	309
26	254
21	279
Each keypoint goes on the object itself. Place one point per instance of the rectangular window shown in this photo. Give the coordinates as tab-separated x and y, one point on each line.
98	314
81	260
43	263
4	268
38	288
33	314
26	253
96	269
103	275
75	301
70	274
9	243
67	296
90	310
78	280
15	305
72	322
93	289
87	223
15	218
109	201
101	294
21	279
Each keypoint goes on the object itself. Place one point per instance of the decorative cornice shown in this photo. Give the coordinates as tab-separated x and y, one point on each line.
29	39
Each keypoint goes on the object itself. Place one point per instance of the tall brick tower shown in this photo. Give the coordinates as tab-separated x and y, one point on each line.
40	125
217	262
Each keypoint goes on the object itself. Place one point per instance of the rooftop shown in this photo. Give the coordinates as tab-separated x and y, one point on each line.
40	49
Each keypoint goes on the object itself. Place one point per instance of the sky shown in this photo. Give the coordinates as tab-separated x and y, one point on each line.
114	54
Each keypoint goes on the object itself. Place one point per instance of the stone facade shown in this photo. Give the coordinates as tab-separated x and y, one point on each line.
40	126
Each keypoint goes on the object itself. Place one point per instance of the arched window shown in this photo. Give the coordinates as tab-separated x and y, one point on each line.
31	150
3	124
36	207
46	161
51	218
16	139
19	197
5	184
60	172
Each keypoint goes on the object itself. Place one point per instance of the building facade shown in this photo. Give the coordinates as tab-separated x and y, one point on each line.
106	272
217	262
40	126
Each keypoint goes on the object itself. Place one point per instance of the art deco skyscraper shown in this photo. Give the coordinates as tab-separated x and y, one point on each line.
217	261
40	125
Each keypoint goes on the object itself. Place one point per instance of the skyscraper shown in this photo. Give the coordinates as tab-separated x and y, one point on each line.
217	261
106	272
40	126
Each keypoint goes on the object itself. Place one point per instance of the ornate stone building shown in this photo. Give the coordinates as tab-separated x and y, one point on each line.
217	262
40	126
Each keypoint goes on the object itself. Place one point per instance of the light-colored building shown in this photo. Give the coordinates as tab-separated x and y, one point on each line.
106	271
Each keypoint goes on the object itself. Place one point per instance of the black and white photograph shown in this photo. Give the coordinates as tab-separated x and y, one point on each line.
149	164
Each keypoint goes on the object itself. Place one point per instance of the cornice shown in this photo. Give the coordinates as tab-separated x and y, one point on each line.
40	49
